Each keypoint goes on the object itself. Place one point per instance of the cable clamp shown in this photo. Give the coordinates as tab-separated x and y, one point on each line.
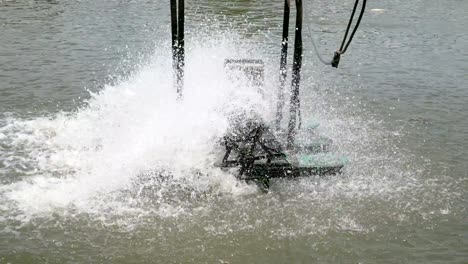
336	59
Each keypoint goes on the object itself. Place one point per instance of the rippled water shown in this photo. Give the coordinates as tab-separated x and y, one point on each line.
98	163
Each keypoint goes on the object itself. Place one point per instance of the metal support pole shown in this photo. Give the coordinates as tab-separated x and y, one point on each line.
178	42
181	43
283	62
174	34
296	77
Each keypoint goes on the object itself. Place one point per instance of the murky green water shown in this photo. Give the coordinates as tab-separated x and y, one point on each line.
80	173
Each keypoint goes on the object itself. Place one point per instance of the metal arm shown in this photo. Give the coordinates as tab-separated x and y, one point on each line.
283	61
296	77
178	42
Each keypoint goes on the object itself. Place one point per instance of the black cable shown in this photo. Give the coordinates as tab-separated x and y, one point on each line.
357	25
344	45
349	24
337	56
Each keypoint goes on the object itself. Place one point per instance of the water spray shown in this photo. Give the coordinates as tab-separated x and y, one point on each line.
255	151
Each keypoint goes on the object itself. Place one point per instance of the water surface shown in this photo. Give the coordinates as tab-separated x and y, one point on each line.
98	163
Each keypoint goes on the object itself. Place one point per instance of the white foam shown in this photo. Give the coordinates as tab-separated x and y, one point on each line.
92	161
126	129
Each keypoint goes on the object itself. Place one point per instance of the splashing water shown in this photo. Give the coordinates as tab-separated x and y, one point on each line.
125	130
134	156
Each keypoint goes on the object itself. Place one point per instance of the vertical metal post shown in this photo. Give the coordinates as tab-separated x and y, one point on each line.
283	62
296	77
178	43
181	43
174	34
